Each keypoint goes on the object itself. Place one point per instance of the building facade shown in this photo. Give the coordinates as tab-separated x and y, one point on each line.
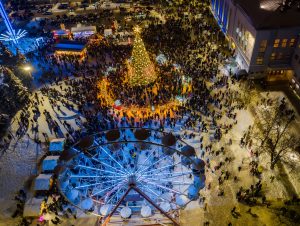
265	39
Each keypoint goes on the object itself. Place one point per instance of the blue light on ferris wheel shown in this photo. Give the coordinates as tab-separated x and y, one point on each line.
11	34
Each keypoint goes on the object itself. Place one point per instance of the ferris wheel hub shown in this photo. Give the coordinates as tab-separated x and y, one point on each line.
132	180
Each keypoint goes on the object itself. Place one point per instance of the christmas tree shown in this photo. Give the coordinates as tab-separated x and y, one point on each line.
141	70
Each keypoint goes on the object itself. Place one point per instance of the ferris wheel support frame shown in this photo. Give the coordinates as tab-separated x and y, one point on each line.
134	187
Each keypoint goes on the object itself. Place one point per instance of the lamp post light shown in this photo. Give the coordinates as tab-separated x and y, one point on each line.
28	69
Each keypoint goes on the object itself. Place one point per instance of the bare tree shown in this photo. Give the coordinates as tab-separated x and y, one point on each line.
247	92
273	134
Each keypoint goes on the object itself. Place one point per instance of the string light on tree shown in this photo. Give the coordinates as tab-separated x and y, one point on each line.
141	70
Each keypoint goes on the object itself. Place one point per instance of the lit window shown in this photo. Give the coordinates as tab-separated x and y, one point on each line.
273	56
292	42
259	60
263	46
276	43
284	43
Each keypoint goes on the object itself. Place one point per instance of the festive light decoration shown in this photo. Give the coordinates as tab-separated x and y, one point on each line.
104	95
141	70
11	34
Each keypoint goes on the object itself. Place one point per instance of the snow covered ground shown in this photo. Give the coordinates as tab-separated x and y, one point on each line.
19	163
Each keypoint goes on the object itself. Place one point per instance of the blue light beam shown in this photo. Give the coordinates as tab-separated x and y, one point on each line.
10	34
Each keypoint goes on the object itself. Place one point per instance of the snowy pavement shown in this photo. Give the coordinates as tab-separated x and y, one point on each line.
19	163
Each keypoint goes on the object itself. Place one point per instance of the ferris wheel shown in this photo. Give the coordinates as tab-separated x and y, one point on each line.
131	171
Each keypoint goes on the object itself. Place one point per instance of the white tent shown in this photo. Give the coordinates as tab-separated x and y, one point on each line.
49	163
83	31
57	145
107	32
42	182
32	207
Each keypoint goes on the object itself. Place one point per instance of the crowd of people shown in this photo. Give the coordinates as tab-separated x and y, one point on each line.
210	110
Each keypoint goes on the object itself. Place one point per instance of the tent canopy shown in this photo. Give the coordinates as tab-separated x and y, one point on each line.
57	145
42	182
32	207
49	163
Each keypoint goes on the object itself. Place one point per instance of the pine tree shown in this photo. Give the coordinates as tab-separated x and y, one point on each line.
13	96
141	70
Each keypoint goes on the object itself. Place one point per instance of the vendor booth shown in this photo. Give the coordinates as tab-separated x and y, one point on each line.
83	31
61	34
57	145
49	163
42	182
73	48
32	207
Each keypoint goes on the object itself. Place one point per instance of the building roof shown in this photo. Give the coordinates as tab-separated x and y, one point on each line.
70	46
266	14
84	28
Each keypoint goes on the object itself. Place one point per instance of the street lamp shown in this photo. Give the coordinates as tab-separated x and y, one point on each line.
28	69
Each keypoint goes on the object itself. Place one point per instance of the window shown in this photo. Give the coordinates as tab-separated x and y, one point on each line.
276	43
261	54
273	56
259	60
284	43
292	42
263	46
279	56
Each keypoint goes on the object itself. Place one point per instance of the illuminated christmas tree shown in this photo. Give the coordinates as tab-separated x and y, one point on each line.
141	70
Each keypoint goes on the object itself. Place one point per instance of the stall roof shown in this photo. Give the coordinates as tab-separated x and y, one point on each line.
42	182
83	28
49	163
70	46
61	32
32	207
57	144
